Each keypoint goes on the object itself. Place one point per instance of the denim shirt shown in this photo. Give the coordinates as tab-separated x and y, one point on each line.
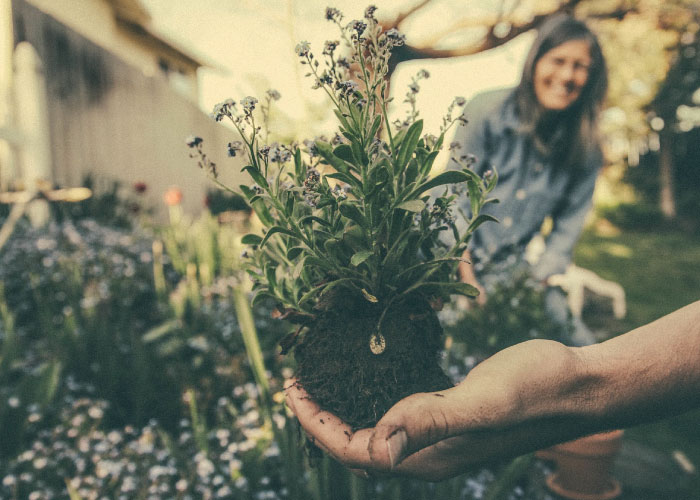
529	189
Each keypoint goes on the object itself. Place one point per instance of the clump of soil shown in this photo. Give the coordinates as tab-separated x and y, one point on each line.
339	371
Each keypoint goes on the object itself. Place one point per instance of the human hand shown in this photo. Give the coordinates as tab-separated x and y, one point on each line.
493	414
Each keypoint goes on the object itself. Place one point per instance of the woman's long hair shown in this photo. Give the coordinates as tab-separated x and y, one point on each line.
568	135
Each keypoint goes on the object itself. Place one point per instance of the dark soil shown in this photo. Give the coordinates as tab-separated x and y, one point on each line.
339	371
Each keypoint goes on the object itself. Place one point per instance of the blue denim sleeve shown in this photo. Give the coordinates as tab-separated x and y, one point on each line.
568	221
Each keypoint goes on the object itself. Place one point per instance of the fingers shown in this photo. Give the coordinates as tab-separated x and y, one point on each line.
415	422
327	431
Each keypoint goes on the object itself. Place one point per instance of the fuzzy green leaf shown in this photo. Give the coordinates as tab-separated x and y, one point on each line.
369	296
260	295
412	205
312	218
251	239
449	177
474	196
353	213
375	127
360	257
258	205
326	153
344	152
451	287
275	230
255	175
294	252
427	164
480	220
298	165
408	145
346	178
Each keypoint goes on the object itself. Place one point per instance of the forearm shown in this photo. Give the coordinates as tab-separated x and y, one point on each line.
539	393
649	373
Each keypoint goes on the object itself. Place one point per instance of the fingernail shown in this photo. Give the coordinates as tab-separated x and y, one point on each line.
396	446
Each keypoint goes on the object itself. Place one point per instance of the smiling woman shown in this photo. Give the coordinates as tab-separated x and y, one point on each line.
541	137
561	74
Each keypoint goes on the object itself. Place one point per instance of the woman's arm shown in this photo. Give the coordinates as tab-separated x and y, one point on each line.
524	398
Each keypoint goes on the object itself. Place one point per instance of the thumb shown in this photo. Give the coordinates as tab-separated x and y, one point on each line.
414	423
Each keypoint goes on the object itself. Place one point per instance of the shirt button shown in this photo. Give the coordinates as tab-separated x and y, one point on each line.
507	222
520	194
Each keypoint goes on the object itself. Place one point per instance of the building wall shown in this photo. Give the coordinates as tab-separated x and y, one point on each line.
95	20
107	118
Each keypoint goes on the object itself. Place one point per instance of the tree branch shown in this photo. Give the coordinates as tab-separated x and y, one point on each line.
403	15
428	50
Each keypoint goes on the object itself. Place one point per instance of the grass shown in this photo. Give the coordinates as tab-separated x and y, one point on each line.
660	272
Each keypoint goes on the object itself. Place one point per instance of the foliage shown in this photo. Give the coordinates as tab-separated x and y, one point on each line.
357	212
82	458
514	312
80	301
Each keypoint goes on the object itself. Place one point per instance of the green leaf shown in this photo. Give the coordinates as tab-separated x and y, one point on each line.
449	177
289	206
480	220
344	152
412	205
408	145
275	230
341	118
323	288
312	218
251	239
258	206
375	127
360	257
160	330
475	197
451	287
271	275
347	178
298	165
294	252
320	263
411	172
260	295
427	164
349	210
326	153
369	296
256	175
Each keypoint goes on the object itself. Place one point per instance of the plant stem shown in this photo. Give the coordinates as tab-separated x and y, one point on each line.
500	489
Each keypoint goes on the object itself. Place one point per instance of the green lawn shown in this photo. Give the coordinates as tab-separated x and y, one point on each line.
660	272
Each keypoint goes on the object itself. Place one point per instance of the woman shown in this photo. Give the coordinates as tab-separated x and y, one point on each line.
541	138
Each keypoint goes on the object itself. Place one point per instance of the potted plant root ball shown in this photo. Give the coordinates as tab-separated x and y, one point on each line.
355	230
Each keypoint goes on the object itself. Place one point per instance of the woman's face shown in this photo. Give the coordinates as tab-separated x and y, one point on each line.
561	73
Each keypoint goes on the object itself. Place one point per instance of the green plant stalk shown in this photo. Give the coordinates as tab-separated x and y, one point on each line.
246	322
8	350
500	489
158	274
198	425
